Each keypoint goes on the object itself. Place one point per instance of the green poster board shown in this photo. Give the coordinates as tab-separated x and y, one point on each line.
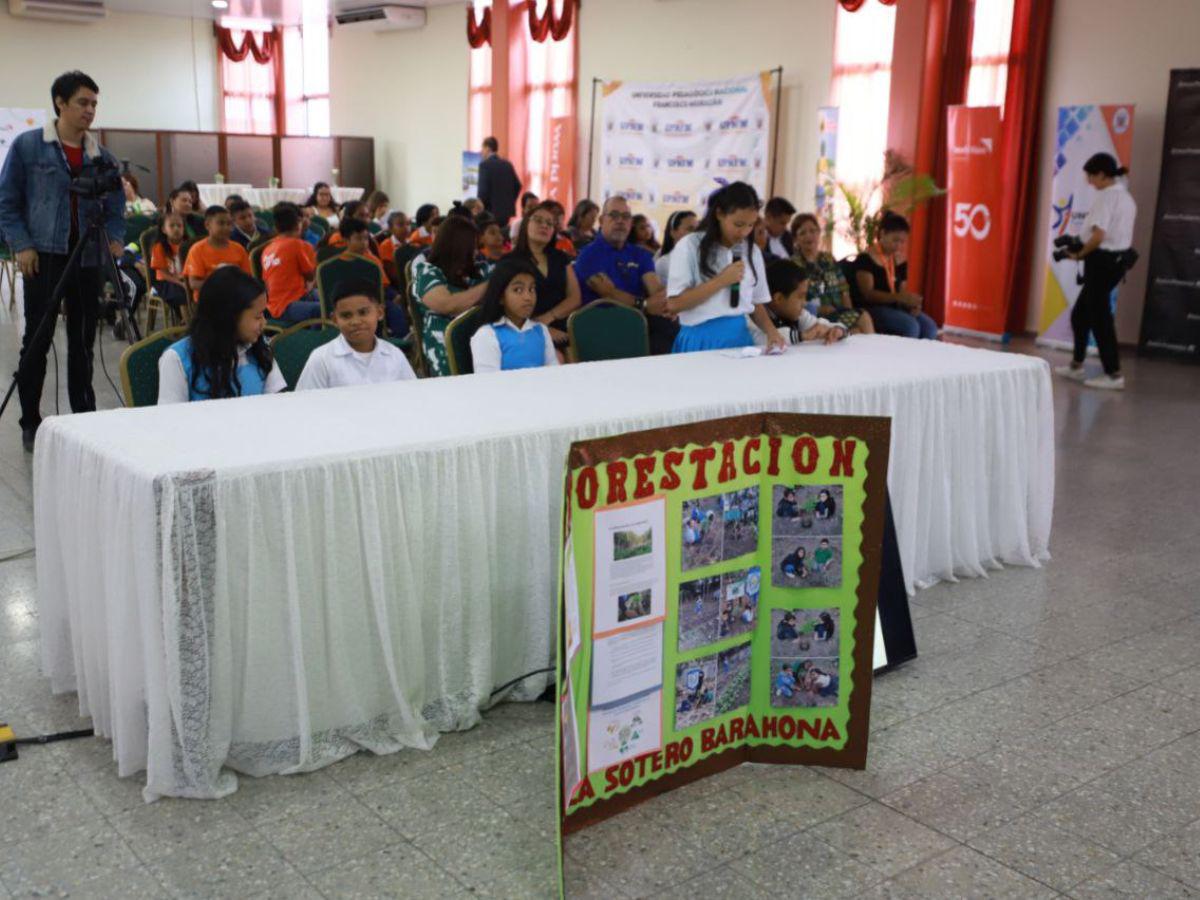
717	603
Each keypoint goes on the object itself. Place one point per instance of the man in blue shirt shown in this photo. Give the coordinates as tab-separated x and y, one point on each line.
611	268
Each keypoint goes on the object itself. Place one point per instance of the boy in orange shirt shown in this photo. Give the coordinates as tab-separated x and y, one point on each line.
214	251
288	265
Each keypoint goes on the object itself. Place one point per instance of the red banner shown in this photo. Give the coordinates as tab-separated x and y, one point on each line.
560	161
975	299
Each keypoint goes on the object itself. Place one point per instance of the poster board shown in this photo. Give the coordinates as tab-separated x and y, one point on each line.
470	173
685	595
13	121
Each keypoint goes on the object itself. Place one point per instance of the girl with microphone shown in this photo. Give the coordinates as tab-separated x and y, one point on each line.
717	277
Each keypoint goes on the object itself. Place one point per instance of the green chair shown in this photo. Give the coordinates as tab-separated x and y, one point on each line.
256	260
458	341
261	241
267	217
134	226
320	223
325	252
139	366
292	346
340	268
374	227
416	324
146	242
605	330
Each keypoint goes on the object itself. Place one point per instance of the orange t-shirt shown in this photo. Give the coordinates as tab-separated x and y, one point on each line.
564	244
421	238
387	248
160	262
287	264
204	259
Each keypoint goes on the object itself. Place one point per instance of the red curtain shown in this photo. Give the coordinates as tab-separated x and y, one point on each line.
549	25
262	54
479	33
1019	157
955	59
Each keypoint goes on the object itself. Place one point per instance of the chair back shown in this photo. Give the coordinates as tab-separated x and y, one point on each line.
606	330
256	253
320	223
146	243
416	322
134	226
261	241
458	341
292	346
139	366
267	217
325	251
333	271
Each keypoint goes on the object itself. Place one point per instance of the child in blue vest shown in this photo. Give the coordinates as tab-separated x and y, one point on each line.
224	354
508	337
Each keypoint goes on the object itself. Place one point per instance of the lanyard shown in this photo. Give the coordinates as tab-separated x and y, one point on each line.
888	263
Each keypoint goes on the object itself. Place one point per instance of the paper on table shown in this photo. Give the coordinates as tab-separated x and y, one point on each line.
626	663
624	730
630	566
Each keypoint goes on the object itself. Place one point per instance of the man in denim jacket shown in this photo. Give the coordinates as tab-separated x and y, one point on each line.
42	222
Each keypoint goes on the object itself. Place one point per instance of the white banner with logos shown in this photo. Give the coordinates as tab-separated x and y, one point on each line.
666	147
13	121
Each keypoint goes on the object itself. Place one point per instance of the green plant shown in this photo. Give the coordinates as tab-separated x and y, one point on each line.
901	190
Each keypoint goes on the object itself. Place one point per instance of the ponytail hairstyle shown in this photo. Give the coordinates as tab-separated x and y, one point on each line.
726	200
226	294
1104	164
673	220
492	304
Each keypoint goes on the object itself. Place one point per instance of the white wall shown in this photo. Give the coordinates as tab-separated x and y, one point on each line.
1115	51
156	72
692	40
408	90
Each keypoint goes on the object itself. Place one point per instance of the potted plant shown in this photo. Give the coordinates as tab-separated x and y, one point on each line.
901	190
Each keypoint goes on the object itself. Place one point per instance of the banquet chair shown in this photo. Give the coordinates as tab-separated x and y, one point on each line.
320	223
458	341
256	253
606	330
416	325
334	271
139	366
325	251
292	346
267	217
134	226
261	241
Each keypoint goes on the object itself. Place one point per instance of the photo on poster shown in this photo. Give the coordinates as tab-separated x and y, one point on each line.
626	663
808	509
627	729
739	602
571	764
719	528
806	562
733	678
805	632
805	682
695	691
699	608
630	577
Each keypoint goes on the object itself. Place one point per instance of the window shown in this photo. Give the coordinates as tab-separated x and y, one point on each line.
479	92
306	74
550	89
247	92
990	39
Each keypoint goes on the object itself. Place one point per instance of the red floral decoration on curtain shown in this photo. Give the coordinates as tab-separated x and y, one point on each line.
856	5
479	33
262	54
549	24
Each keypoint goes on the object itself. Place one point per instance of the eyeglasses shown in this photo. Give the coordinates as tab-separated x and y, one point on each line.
541	220
620	216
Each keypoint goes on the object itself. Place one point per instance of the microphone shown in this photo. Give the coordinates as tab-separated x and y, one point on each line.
735	289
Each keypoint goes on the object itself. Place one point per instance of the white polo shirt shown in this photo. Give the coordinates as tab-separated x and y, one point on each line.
685	274
337	364
1113	210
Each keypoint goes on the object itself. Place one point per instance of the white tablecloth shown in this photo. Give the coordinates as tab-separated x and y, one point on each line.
215	194
343	194
265	198
267	584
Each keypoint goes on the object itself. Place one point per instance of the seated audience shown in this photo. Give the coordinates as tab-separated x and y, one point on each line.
357	240
528	201
224	354
509	338
787	309
216	250
703	269
231	200
492	244
356	356
309	231
474	206
246	229
135	203
378	205
611	268
581	227
561	239
777	215
167	259
881	280
446	281
422	230
180	201
557	287
194	190
679	223
288	265
397	235
322	202
828	292
641	234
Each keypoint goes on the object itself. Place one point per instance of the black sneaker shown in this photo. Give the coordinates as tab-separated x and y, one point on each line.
27	436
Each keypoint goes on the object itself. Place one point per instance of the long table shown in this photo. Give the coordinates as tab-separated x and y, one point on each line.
272	583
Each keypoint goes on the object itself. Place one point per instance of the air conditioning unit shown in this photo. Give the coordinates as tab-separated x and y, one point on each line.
59	10
380	17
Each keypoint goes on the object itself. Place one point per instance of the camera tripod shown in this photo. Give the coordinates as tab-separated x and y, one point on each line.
96	236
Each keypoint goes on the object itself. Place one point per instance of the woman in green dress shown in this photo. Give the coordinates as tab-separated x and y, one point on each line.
828	290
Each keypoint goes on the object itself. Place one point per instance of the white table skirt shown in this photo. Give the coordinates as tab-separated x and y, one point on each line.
265	198
216	194
345	194
268	584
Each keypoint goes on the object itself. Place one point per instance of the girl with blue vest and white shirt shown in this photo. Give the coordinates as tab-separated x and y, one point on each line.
706	264
508	337
224	354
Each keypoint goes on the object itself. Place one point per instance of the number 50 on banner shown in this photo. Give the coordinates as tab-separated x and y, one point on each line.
975	302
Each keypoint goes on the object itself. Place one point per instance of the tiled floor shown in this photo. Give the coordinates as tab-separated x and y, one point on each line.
1047	742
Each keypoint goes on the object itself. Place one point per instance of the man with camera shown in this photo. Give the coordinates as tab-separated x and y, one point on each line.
43	220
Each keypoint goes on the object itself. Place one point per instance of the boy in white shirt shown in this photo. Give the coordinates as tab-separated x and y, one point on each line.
789	292
356	356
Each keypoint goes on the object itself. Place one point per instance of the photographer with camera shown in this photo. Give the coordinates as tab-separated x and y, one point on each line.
1106	252
43	221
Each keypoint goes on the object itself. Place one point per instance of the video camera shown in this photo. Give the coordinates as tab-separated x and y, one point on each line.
106	180
1065	245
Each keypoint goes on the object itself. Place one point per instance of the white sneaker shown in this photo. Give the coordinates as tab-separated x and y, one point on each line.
1071	373
1106	382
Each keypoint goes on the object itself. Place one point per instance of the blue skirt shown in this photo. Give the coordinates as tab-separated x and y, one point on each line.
720	333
